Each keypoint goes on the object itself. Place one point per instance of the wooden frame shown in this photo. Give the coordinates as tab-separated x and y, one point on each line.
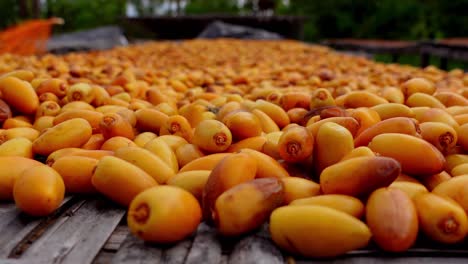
93	230
445	49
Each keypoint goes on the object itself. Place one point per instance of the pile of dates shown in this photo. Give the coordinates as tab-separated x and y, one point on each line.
331	150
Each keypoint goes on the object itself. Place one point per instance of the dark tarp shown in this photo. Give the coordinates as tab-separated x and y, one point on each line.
219	29
96	39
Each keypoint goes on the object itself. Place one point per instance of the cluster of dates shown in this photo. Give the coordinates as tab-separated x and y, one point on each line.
331	150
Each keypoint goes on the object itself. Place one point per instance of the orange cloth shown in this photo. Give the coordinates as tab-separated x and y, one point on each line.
27	38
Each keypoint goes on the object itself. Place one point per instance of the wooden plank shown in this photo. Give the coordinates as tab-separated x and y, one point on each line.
6	207
117	238
383	260
8	213
79	236
263	231
178	253
224	259
256	250
134	250
206	247
374	46
252	249
459	55
15	227
18	261
412	252
104	257
444	51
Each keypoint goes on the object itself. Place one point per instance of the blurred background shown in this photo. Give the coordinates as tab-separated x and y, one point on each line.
386	19
307	20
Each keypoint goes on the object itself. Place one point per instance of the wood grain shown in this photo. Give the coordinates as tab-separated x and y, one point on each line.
372	260
206	247
16	227
117	238
79	236
84	229
134	250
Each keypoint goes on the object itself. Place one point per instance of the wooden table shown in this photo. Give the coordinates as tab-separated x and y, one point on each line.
375	46
445	49
189	26
93	230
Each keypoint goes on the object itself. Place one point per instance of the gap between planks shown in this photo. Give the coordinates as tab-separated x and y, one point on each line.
77	238
87	219
19	230
205	247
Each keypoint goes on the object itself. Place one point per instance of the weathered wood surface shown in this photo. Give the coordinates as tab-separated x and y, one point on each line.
382	260
92	231
374	46
78	235
14	261
256	250
205	247
456	52
135	251
116	239
16	227
444	49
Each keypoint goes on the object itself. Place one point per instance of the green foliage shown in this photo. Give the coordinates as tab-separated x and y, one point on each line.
453	19
85	14
387	19
361	18
212	6
8	13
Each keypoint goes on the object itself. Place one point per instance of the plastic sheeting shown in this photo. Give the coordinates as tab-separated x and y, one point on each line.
96	39
219	29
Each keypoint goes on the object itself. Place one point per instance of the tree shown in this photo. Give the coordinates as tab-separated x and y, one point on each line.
9	12
29	8
212	6
452	17
386	19
85	14
260	5
149	7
